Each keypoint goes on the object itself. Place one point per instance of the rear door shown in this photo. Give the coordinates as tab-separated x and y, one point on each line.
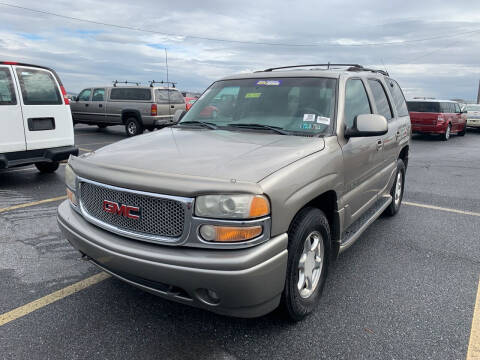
46	118
97	105
12	135
458	118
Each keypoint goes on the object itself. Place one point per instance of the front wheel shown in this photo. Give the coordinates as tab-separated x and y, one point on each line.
397	190
308	251
133	127
447	133
47	167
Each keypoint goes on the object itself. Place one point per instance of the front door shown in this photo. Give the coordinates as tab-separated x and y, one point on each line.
81	108
12	135
363	157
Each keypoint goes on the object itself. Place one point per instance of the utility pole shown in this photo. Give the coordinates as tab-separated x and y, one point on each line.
478	96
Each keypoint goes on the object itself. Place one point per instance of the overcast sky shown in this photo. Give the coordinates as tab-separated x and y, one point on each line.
86	54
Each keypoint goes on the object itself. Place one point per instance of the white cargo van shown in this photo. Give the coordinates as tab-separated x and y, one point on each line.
36	124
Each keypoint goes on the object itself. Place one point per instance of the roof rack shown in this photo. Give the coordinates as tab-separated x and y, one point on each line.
153	82
125	82
350	67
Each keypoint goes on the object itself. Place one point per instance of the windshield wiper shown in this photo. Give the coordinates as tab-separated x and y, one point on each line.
201	123
276	129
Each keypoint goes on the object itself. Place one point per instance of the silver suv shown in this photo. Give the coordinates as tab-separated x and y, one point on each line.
136	107
245	202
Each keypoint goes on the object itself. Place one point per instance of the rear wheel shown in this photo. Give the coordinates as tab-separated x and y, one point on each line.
308	250
133	127
47	167
447	133
397	190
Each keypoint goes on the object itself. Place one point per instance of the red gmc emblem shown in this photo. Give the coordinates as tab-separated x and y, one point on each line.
130	212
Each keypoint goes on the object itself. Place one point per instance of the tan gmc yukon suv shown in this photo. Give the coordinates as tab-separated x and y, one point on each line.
245	202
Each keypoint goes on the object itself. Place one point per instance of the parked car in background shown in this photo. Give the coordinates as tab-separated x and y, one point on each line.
136	107
441	117
35	118
189	102
473	115
246	210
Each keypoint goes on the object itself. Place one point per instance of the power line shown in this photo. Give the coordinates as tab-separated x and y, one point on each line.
125	27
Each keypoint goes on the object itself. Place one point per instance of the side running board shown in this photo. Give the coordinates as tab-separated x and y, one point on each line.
358	227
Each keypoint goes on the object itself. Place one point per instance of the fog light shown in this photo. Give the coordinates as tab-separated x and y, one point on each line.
229	233
208	296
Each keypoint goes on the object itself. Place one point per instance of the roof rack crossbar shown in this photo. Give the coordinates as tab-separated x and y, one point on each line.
308	65
350	67
153	82
125	82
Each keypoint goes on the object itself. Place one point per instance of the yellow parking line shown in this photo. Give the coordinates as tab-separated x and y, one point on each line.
433	207
33	203
100	143
51	298
474	343
83	149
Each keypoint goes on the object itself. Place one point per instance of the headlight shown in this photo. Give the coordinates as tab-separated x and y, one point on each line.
232	206
70	178
71	182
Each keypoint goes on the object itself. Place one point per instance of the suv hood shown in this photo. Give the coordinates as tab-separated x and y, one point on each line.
241	156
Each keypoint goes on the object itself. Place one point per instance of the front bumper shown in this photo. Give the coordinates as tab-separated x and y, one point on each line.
248	282
473	123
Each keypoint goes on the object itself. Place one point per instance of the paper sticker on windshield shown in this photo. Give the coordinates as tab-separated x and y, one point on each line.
309	117
323	120
252	95
269	82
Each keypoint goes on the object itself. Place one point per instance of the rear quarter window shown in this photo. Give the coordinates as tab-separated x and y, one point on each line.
165	96
38	87
7	92
131	94
398	98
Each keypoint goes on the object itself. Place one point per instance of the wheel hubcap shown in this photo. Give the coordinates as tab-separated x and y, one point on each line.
132	128
310	264
398	188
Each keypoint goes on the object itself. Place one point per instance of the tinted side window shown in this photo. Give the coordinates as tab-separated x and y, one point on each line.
381	99
38	87
163	96
424	106
131	94
398	98
85	95
356	101
7	92
98	95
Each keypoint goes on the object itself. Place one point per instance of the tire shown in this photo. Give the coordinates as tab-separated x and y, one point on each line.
397	190
101	126
462	133
448	131
298	299
133	127
47	167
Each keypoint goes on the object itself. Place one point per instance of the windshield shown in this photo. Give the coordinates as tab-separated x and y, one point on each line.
296	105
473	107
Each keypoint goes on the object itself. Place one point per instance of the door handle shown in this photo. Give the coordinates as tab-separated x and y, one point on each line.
86	105
379	144
100	105
172	106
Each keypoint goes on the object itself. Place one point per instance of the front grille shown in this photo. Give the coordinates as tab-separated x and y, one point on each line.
159	217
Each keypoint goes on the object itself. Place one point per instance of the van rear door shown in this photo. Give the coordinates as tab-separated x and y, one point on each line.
47	117
12	135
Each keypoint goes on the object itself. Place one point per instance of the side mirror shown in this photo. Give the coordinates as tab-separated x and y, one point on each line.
179	114
367	125
76	98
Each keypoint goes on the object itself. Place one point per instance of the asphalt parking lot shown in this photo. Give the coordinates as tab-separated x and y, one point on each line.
406	290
